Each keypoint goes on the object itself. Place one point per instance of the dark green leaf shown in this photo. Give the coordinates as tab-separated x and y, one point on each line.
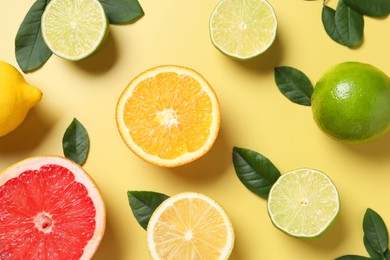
75	142
144	203
371	251
122	11
387	254
255	171
352	257
294	84
375	231
349	24
30	49
329	23
373	8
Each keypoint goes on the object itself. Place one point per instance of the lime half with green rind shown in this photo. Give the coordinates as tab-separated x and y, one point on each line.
74	29
243	29
303	203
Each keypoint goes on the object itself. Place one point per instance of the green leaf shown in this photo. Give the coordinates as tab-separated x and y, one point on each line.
349	24
329	23
373	8
294	84
122	11
255	171
144	203
371	251
352	257
30	49
375	231
75	142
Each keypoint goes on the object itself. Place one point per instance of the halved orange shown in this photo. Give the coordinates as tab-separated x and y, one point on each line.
168	115
190	226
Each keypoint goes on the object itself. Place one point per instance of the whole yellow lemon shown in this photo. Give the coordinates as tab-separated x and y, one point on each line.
16	99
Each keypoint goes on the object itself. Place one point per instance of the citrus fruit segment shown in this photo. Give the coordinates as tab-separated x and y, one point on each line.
16	99
243	29
303	203
49	209
74	29
190	226
351	102
168	115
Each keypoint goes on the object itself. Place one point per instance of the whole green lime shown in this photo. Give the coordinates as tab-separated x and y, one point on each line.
351	102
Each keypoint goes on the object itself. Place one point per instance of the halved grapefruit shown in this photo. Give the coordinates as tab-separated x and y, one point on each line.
49	209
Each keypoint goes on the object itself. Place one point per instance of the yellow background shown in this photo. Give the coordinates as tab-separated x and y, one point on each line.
255	115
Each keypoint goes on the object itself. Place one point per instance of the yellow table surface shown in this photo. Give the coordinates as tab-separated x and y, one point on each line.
255	115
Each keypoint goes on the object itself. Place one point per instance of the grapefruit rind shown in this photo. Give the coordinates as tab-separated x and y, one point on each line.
34	163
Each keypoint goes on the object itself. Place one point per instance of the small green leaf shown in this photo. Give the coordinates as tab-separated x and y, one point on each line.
329	23
255	171
144	203
349	24
371	251
375	231
294	84
352	257
373	8
75	142
122	11
30	49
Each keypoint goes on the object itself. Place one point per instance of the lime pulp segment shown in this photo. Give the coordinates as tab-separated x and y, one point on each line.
303	203
74	29
243	29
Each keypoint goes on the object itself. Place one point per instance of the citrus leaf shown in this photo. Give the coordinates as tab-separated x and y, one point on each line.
75	142
349	24
143	204
329	23
122	11
352	257
371	251
375	231
255	171
294	84
30	49
373	8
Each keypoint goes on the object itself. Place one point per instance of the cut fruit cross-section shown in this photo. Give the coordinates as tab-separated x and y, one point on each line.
243	29
190	226
74	29
49	209
303	203
168	115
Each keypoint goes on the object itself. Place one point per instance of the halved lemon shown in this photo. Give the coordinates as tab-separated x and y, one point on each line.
303	203
168	115
243	29
190	226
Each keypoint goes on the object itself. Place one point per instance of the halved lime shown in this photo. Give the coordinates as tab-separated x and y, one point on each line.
303	203
243	29
74	29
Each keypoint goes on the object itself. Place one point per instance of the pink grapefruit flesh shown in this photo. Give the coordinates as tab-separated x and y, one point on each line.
49	209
